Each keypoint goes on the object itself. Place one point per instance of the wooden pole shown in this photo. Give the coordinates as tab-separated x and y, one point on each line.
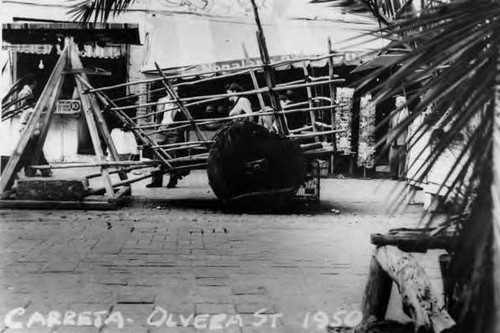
269	74
254	80
89	117
310	100
333	97
15	160
101	123
184	110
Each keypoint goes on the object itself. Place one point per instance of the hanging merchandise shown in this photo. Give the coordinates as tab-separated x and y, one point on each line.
366	146
344	118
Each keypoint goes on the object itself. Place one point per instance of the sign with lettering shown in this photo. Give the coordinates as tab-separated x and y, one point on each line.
68	106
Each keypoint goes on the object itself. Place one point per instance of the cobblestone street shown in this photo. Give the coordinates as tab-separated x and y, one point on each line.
176	261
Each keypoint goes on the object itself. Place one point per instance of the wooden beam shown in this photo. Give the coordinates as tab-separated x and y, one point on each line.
420	301
415	241
15	160
37	204
87	111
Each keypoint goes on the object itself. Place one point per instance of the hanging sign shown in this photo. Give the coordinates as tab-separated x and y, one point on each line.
68	106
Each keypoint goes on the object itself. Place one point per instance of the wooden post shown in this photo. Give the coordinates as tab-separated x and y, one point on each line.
420	300
333	97
14	163
269	74
312	115
101	123
87	111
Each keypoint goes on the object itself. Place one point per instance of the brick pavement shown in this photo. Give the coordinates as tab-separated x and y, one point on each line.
182	263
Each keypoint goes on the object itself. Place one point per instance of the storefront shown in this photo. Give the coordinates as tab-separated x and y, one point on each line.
34	48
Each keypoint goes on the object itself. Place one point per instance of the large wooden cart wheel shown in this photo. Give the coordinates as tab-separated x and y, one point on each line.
248	162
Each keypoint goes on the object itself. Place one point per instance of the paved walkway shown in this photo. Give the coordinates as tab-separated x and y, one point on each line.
182	263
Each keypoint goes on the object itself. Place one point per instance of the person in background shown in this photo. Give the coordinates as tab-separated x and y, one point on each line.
241	105
26	98
397	152
25	95
172	112
125	143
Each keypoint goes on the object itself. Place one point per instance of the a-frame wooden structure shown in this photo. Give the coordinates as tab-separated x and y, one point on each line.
69	63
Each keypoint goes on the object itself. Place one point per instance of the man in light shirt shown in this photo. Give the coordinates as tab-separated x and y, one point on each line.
241	105
397	152
167	104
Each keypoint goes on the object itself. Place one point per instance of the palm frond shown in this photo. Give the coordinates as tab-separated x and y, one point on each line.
93	11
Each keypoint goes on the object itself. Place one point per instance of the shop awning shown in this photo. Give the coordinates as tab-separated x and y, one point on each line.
49	33
86	50
207	43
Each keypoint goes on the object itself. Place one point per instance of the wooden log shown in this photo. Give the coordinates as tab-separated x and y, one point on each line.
415	241
40	188
377	294
420	301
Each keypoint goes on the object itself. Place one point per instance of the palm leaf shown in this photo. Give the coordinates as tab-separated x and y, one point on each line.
93	11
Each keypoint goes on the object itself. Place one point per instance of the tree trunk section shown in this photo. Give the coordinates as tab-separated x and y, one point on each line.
247	159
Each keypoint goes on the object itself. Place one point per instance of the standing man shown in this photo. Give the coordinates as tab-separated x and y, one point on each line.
397	153
171	109
26	98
